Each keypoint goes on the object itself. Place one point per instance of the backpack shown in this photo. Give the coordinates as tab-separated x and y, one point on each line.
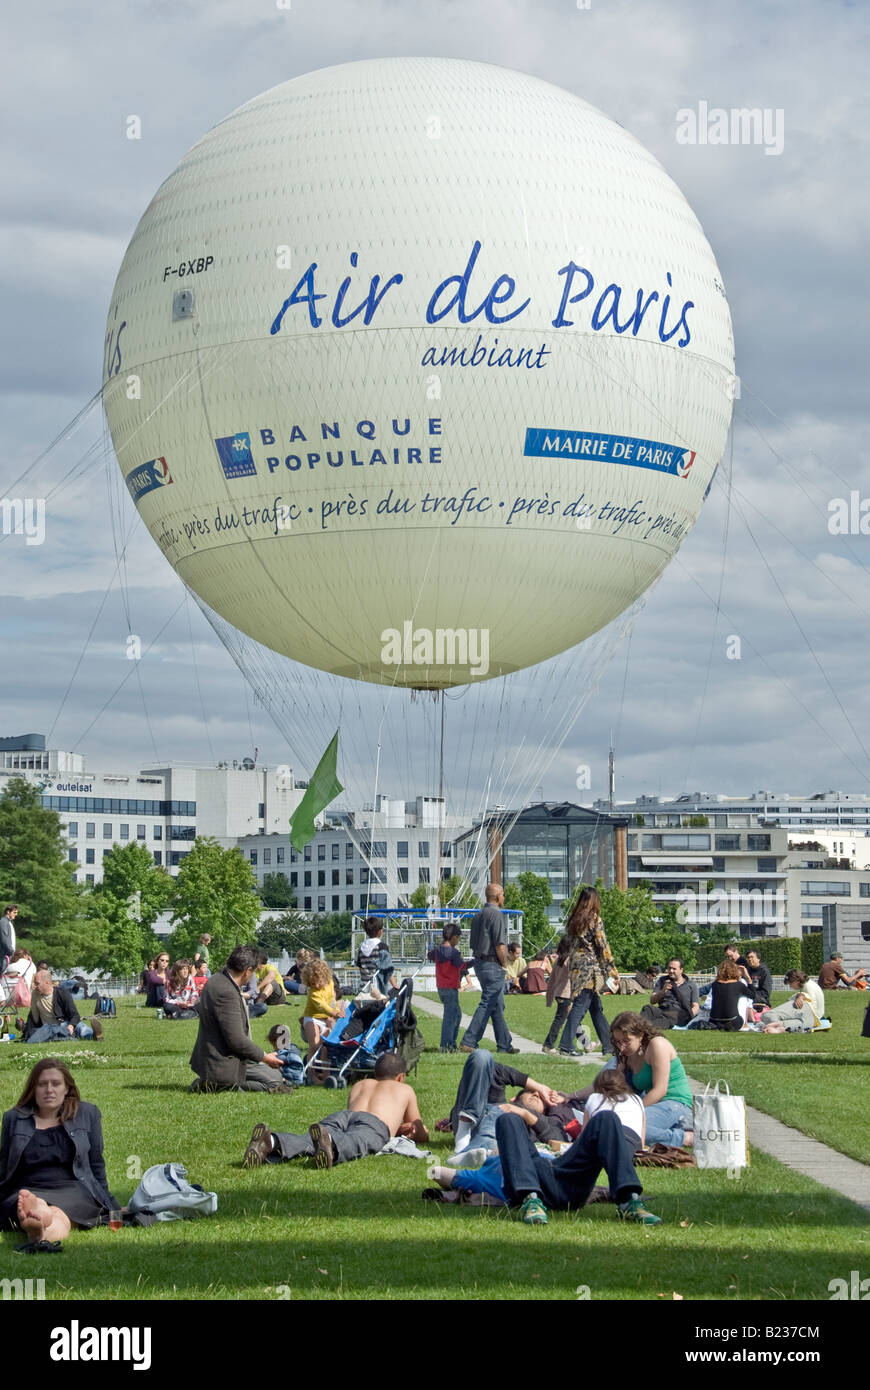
165	1194
104	1006
21	993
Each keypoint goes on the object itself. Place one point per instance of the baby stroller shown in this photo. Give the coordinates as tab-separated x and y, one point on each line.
369	1029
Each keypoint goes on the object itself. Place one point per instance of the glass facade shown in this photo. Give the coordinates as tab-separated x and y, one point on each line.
565	845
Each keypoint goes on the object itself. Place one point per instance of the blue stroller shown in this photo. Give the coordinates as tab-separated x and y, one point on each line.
369	1029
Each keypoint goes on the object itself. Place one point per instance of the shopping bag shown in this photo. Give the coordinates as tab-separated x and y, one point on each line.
720	1128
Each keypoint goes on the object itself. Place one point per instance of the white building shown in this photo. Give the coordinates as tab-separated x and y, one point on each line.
364	859
163	808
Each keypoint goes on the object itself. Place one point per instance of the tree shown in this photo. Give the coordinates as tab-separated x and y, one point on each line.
450	891
276	891
638	931
328	932
35	874
127	903
215	892
532	896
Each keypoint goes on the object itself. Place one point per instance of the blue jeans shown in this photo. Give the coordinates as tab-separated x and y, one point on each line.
566	1181
472	1099
667	1122
57	1032
451	1018
588	1000
490	977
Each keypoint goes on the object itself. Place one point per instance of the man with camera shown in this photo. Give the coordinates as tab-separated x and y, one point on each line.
674	1001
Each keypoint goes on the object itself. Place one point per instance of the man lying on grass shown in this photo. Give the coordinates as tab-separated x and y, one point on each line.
378	1109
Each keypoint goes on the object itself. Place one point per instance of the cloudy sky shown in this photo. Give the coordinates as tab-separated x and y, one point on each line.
789	233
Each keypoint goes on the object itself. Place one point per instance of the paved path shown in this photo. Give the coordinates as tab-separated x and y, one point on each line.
808	1156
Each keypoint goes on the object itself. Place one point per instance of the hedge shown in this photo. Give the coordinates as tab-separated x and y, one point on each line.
811	954
779	953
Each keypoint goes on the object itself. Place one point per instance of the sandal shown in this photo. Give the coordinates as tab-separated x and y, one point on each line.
40	1247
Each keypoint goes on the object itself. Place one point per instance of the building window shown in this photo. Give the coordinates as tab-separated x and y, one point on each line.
321	878
90	856
424	875
321	904
336	849
348	876
403	874
813	910
306	881
446	849
125	832
73	856
89	878
293	879
718	864
307	904
336	877
321	853
379	849
279	854
423	849
253	856
294	856
306	854
364	875
767	864
107	830
158	832
158	856
402	849
348	902
378	900
335	902
758	842
864	890
141	833
90	830
728	842
267	856
73	828
821	889
445	874
261	810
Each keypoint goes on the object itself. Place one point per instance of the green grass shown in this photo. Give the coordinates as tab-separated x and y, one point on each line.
362	1232
812	1081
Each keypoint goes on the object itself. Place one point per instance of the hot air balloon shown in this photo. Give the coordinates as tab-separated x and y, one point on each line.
418	370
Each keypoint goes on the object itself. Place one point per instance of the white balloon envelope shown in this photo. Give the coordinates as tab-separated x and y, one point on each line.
418	370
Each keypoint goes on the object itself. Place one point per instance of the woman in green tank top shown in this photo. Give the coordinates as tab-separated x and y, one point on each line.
655	1071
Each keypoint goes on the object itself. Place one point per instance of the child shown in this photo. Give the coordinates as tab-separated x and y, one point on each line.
449	969
321	1009
200	979
612	1091
374	962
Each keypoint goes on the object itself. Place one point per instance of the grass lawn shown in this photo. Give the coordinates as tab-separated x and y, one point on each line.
362	1232
812	1081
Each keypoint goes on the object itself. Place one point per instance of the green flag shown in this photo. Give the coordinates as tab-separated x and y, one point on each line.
323	788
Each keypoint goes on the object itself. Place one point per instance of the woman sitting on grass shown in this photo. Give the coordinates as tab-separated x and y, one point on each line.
156	979
655	1072
52	1173
730	990
182	995
321	1008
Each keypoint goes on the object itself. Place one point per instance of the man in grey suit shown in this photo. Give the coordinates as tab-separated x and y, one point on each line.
224	1057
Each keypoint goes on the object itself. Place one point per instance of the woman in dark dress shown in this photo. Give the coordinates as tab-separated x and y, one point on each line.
52	1173
728	989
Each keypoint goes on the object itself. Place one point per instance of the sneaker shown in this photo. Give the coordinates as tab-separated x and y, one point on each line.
259	1148
466	1047
554	1051
468	1158
564	1053
323	1151
533	1211
97	1029
634	1210
509	1051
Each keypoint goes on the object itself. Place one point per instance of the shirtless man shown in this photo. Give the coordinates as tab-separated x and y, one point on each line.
378	1109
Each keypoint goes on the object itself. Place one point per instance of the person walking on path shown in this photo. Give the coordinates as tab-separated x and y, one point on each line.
449	969
489	949
558	993
590	963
